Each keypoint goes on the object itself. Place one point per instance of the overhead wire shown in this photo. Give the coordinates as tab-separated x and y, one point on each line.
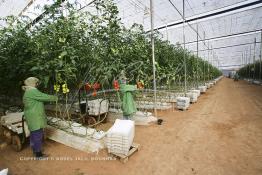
230	35
135	2
228	46
216	37
208	11
186	20
234	8
197	31
215	13
194	13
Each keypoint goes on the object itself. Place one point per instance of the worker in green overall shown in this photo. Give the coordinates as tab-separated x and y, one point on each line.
128	104
34	113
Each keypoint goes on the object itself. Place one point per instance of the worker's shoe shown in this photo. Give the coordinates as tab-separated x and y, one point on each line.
40	155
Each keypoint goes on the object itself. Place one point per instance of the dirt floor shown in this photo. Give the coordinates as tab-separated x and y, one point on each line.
219	135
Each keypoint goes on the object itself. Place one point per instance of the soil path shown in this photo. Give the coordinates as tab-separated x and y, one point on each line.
219	135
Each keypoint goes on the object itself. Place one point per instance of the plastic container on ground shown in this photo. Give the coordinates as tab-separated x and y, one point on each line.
195	91
202	89
183	103
192	96
120	136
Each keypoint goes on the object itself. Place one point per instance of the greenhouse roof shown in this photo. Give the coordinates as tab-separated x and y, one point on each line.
229	27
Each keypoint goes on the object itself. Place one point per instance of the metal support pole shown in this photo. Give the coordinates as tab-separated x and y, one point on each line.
197	58
208	78
243	54
212	61
153	52
249	64
184	46
242	60
204	71
254	60
166	33
260	59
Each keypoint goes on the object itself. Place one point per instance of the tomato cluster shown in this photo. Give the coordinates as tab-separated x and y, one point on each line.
95	87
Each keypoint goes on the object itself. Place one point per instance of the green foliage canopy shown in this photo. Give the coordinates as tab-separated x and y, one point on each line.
70	46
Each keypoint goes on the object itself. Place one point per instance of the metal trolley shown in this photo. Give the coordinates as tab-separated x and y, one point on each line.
15	129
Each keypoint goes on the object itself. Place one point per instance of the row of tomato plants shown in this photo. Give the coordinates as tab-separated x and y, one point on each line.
77	48
251	71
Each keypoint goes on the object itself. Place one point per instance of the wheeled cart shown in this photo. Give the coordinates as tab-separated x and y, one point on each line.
15	129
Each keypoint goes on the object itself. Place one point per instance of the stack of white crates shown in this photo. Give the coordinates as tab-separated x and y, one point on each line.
202	89
120	136
195	91
192	96
182	102
208	85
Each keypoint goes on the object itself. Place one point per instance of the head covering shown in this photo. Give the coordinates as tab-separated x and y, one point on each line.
122	78
30	82
123	81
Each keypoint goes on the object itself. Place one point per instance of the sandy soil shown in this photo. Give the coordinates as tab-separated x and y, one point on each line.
220	134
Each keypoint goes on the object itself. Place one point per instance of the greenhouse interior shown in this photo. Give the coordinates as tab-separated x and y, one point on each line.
101	87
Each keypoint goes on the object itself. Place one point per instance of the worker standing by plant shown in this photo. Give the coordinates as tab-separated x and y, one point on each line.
34	113
128	104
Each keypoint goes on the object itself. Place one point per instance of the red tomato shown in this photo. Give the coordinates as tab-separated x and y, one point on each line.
94	93
96	86
116	85
87	86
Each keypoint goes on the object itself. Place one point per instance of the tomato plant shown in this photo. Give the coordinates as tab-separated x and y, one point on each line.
82	47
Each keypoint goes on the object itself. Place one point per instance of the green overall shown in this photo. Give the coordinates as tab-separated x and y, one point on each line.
34	108
128	104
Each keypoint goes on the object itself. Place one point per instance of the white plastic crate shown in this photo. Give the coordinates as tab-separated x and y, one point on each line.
256	82
207	85
4	172
98	106
202	89
120	136
182	102
192	96
195	91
